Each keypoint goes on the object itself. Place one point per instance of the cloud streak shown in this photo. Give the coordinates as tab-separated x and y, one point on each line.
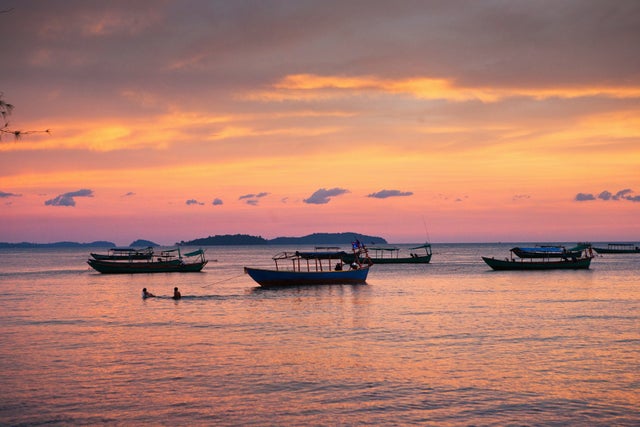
4	195
324	196
253	199
383	194
626	194
304	86
68	199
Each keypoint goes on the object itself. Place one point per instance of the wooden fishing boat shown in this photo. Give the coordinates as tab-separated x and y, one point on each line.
391	255
115	254
313	268
619	248
570	262
549	251
169	261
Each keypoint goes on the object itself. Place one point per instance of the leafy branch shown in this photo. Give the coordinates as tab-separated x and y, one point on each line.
5	110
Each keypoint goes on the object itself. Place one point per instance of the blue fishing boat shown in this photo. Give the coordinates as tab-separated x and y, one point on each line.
550	251
313	268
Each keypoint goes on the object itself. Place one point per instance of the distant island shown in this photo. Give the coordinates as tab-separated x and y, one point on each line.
27	245
219	240
71	245
311	239
140	243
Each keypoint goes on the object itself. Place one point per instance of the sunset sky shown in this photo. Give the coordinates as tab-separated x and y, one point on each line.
457	121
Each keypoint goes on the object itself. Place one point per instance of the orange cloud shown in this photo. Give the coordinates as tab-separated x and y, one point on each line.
298	86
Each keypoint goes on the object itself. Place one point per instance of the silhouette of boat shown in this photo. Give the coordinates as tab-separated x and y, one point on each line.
391	255
574	261
618	248
169	261
550	251
313	268
115	254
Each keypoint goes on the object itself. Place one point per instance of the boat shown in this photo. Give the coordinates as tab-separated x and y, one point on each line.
168	261
618	248
125	254
391	255
549	251
562	264
313	268
570	262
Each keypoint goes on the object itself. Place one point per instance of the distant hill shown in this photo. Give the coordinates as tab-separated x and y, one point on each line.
311	239
327	239
140	243
221	240
226	240
22	245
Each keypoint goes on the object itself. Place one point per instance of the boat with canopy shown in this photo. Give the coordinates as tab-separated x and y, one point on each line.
391	255
314	268
619	248
570	262
125	254
550	251
168	261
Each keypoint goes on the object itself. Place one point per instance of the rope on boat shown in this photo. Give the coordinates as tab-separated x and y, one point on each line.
222	281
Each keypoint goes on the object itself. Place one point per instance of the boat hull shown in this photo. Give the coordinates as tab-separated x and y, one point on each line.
279	278
404	260
119	267
569	264
616	251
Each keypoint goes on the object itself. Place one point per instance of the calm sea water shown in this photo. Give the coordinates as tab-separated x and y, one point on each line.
449	343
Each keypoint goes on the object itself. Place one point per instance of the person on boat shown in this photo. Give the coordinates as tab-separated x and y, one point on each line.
146	294
338	267
176	294
354	265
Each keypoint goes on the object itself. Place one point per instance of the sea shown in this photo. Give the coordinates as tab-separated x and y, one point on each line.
450	343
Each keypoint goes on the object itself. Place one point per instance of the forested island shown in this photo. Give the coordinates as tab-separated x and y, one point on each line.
311	239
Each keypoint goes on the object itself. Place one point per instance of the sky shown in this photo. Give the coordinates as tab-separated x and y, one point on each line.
452	121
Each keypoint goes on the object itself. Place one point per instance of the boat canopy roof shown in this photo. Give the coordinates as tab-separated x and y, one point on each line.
385	248
195	253
543	249
581	247
319	255
426	245
130	249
